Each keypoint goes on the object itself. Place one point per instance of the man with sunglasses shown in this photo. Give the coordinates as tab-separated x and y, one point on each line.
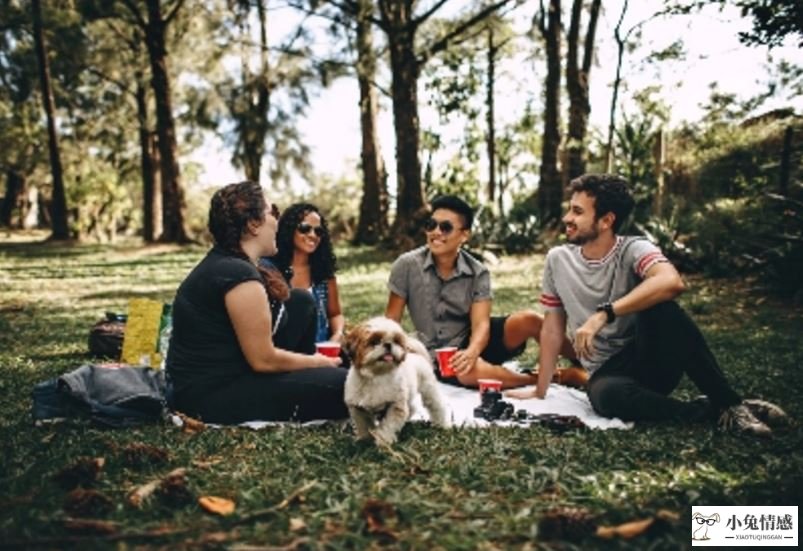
448	295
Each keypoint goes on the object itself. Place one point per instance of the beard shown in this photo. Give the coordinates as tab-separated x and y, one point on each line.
581	237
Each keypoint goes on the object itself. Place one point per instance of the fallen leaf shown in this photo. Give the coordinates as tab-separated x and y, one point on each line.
90	526
659	523
217	505
84	472
379	517
139	454
208	463
173	489
138	495
566	523
86	502
190	425
297	524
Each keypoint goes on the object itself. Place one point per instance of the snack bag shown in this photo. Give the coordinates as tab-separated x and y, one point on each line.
141	342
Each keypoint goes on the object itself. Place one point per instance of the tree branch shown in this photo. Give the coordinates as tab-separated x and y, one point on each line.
132	7
443	43
173	12
426	15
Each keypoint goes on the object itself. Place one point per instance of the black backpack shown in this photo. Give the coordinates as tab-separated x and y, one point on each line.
106	336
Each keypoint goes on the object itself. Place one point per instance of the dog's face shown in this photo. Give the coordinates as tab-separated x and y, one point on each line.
376	346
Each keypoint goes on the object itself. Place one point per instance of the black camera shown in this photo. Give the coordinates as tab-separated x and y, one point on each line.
492	407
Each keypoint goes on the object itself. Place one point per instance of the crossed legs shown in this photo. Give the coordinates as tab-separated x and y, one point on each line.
518	327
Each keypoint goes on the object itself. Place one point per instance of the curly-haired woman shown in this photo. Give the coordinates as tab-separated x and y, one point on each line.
307	260
222	367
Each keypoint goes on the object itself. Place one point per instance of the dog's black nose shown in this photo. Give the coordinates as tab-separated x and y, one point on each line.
387	346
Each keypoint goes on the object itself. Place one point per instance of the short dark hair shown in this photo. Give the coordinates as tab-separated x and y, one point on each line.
610	193
455	204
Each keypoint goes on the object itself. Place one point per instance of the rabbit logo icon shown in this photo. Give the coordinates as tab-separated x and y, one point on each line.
700	524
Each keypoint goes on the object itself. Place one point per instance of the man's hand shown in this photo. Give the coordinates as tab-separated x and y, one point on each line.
584	337
464	361
525	393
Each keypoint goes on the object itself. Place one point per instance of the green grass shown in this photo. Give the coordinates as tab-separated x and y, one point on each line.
459	489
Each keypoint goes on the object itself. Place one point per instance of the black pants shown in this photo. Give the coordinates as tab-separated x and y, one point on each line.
635	384
304	395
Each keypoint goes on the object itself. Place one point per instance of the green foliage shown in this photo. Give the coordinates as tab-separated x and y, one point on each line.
773	20
516	232
456	489
337	198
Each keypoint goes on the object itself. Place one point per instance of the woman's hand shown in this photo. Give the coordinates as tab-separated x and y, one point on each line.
326	361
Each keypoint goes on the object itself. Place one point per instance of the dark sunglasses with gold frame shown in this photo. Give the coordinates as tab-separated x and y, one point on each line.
445	226
304	228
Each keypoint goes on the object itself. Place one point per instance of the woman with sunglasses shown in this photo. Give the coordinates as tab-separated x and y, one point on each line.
222	367
308	262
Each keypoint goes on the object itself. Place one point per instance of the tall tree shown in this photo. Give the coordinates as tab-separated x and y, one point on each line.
58	212
550	187
154	25
401	25
577	85
373	222
249	103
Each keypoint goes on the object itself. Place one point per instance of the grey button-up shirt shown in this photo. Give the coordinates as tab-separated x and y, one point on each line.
440	309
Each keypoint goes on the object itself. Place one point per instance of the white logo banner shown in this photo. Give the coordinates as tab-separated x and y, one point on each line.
744	526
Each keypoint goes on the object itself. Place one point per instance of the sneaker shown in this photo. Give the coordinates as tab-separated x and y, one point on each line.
768	412
739	418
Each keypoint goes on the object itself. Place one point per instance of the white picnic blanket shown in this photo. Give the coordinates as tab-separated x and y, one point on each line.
462	401
559	399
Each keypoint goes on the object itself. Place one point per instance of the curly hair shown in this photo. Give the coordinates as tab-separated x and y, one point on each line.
323	263
231	209
610	193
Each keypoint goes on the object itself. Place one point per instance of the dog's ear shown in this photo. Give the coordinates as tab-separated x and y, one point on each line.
696	515
351	340
715	516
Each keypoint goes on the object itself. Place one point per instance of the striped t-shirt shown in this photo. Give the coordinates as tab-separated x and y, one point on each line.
578	285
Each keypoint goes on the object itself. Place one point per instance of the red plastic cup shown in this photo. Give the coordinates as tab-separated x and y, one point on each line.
489	384
328	348
444	360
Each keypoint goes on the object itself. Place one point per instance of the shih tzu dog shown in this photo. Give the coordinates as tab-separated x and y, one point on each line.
389	368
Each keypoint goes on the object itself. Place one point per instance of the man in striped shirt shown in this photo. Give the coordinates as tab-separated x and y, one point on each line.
614	297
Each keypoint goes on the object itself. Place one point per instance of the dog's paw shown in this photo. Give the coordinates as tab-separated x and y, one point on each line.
383	437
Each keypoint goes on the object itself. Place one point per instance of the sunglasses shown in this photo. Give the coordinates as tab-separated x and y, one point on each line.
305	228
445	226
274	211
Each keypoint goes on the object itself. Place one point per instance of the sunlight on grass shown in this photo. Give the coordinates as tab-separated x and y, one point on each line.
461	489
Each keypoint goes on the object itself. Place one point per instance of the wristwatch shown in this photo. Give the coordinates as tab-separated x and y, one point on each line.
607	307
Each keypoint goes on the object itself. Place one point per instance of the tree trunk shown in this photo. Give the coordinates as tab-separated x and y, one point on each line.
620	45
396	15
151	190
259	104
786	157
491	137
15	187
173	201
577	84
59	200
659	156
550	188
373	222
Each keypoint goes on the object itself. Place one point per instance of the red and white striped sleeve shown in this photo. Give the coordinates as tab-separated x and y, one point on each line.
647	261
